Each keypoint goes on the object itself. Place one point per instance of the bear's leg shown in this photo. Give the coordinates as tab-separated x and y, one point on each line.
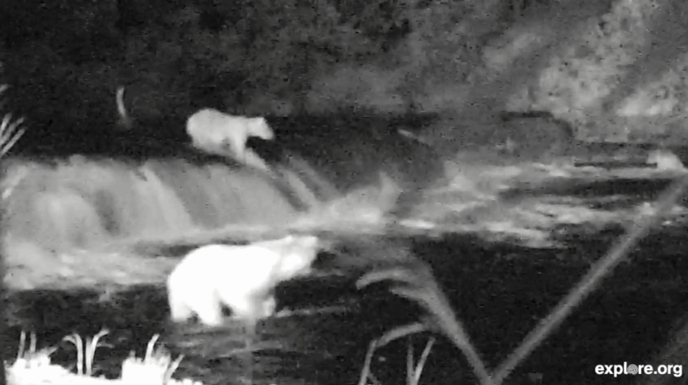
236	145
209	310
250	158
242	307
179	311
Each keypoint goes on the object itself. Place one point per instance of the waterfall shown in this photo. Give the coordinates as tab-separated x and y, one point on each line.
83	202
160	190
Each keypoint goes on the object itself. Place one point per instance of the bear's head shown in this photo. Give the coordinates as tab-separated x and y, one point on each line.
298	255
259	127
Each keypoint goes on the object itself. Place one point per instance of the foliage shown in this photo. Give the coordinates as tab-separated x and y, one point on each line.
286	49
32	366
90	346
255	56
273	49
292	43
251	51
10	129
416	283
442	48
413	369
156	367
355	89
31	363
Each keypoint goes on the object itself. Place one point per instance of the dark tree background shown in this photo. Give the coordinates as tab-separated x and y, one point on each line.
65	59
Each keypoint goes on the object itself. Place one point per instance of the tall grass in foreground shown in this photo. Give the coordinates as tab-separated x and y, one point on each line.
33	366
11	131
417	283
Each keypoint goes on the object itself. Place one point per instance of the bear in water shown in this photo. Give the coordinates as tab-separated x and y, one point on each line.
242	278
218	133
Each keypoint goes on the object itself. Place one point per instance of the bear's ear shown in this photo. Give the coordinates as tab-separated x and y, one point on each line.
287	240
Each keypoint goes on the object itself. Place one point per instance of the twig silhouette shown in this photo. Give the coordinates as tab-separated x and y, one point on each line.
365	372
414	371
417	283
591	280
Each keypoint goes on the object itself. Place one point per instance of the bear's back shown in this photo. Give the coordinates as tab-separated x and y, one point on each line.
205	127
239	266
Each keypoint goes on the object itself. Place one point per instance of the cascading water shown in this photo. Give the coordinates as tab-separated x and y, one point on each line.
84	203
160	191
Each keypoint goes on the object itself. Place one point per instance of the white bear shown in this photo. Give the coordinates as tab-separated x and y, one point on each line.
242	278
218	133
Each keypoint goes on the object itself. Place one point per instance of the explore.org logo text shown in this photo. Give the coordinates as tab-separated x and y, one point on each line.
626	368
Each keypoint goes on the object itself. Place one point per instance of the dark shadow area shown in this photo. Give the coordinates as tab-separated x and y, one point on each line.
499	292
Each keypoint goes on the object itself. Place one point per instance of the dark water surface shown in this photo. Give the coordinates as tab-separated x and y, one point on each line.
499	291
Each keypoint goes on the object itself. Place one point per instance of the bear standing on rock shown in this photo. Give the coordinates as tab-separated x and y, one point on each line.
218	133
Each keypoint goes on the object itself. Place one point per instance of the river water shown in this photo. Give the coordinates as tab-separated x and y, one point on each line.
498	289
